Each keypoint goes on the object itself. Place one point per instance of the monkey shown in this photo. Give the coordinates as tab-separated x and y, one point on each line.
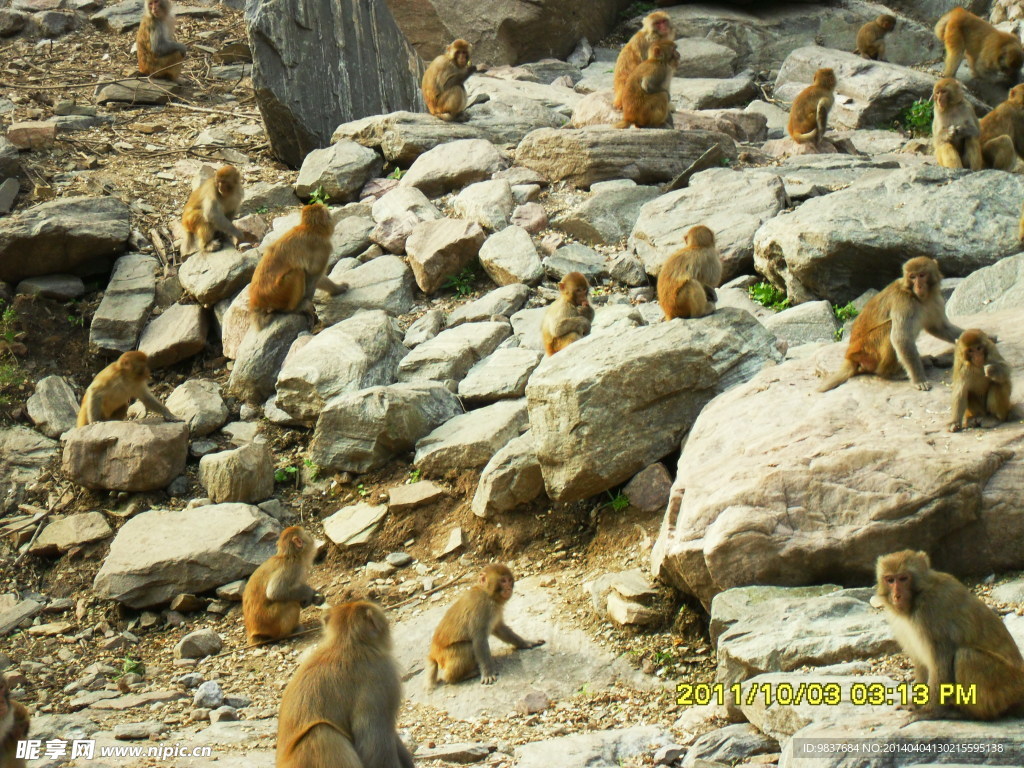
14	723
991	54
1002	132
808	117
209	210
950	636
569	317
293	267
277	591
115	386
884	335
646	101
956	133
460	645
340	707
657	26
443	88
981	381
160	55
871	37
688	278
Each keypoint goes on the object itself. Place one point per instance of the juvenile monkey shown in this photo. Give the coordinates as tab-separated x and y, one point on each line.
883	340
277	591
991	54
956	133
569	317
656	26
293	267
981	381
14	722
688	278
871	37
808	117
1002	132
950	636
160	55
646	97
460	646
115	386
209	211
443	82
340	708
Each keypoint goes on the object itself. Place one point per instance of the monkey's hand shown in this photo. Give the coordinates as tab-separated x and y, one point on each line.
488	678
924	386
315	599
534	643
954	426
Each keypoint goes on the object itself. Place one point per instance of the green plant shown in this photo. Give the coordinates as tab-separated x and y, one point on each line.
414	476
285	475
132	666
263	209
917	118
767	295
462	282
314	470
845	312
619	501
663	657
319	196
362	490
397	173
7	330
76	320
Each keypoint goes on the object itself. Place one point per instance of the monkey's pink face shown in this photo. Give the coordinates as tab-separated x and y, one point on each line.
976	355
461	58
899	587
156	8
920	284
506	587
662	28
942	97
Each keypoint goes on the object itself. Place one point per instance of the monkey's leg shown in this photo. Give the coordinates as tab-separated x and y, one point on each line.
972	154
457	662
947	156
997	684
482	654
1000	154
954	54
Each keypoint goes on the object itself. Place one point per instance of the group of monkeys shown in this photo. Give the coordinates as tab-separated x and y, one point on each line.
341	706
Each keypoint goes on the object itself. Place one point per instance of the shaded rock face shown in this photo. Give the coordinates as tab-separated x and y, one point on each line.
349	56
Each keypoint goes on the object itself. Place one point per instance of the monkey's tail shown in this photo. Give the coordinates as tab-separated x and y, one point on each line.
848	370
431	674
188	245
623	124
811	135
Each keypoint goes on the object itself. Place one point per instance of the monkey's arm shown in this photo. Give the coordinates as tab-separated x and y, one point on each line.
278	591
95	409
404	758
653	84
903	342
154	405
458	77
214	213
998	372
943	329
504	632
162	43
333	288
956	422
567	325
482	652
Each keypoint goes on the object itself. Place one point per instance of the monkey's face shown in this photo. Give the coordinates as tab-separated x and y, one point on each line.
461	58
899	588
662	28
580	297
943	97
888	23
157	8
975	355
505	586
920	284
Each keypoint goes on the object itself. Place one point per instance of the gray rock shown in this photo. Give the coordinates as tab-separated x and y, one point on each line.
10	164
268	195
59	287
199	645
244	474
426	327
502	375
526	326
776	118
471	439
66	533
591	750
509	256
208	695
126	455
488	203
813	321
990	289
126	304
452	166
339	170
510	478
648	490
23	455
451	354
177	334
211	277
403	498
503	301
199	404
53	407
385	283
628	269
354	524
260	356
731	745
439	249
119	17
700	57
606	217
711	93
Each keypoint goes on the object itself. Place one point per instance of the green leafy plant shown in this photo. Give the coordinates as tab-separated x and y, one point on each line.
362	490
319	196
314	470
462	282
7	330
618	502
917	118
131	666
845	312
397	173
263	209
663	657
767	295
285	475
414	476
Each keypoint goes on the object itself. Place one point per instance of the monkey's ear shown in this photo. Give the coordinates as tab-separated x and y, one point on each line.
297	542
924	556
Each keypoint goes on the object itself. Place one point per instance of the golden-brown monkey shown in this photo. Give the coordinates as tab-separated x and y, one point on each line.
14	723
689	276
460	646
209	211
951	637
656	26
277	591
646	96
114	387
981	381
991	54
160	55
808	117
871	37
569	317
443	82
340	707
956	133
1002	132
293	267
884	336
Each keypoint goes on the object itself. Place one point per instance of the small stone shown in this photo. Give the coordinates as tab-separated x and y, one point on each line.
456	541
223	714
198	644
533	702
399	559
187	603
208	695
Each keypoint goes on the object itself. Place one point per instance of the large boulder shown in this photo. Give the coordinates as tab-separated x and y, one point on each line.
24	454
590	391
816	486
994	288
349	57
837	246
163	553
126	303
126	455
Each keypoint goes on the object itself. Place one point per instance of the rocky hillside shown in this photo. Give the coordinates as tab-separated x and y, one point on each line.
679	504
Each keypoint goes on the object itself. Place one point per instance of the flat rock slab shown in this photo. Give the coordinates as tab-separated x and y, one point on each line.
126	304
568	660
137	92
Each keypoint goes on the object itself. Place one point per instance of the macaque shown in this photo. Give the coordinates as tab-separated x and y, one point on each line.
808	117
460	646
981	381
160	55
991	54
656	26
14	722
950	636
340	707
1002	132
443	88
115	386
956	133
569	317
277	591
871	37
884	336
293	267
209	210
646	100
688	278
